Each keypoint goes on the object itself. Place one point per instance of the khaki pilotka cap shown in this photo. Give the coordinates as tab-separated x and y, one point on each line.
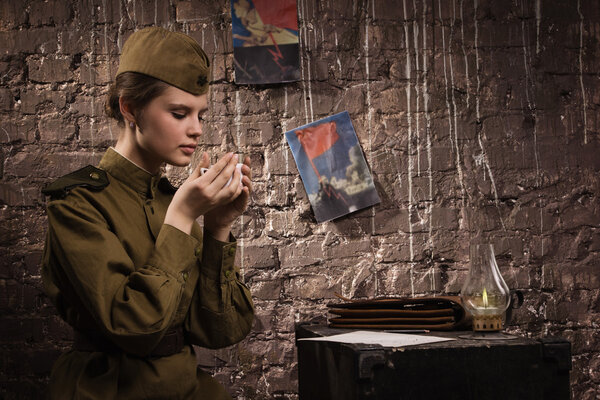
172	57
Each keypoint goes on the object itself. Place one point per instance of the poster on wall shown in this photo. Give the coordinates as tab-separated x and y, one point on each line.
265	41
332	167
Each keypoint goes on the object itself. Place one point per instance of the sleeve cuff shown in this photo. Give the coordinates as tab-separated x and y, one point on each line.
174	252
218	258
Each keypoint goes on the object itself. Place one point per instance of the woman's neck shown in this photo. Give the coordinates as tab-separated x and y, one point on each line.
131	150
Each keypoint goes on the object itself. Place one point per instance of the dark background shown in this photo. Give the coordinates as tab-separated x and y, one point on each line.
476	118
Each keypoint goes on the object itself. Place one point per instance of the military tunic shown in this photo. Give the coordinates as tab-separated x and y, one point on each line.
113	269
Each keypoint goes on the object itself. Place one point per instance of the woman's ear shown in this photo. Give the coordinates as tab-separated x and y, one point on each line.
126	111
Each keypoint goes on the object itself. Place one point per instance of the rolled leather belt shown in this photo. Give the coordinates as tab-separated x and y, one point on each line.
171	343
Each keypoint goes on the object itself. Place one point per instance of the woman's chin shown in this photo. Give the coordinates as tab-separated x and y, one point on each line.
180	161
179	164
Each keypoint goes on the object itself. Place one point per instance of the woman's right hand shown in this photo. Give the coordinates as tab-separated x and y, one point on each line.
201	193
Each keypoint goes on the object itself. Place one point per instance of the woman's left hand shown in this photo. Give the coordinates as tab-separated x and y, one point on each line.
218	221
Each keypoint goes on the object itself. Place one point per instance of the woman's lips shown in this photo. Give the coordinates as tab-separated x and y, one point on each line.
188	149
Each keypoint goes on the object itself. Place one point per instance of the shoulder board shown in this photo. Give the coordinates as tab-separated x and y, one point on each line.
89	177
165	186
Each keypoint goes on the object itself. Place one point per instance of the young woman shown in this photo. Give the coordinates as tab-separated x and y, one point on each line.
125	262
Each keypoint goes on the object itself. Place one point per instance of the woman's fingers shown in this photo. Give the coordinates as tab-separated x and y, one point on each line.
247	174
204	163
213	172
214	182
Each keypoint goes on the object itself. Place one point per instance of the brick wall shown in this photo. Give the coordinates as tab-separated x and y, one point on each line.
475	116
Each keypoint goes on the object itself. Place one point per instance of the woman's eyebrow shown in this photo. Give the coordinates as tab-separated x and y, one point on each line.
178	106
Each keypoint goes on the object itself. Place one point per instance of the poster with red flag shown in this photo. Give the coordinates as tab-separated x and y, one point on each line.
332	167
265	41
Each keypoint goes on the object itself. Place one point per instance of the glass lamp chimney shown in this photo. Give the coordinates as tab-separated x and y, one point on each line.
485	294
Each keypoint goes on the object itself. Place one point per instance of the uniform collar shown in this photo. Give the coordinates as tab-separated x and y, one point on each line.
129	173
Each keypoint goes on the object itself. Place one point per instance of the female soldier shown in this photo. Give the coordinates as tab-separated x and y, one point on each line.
125	262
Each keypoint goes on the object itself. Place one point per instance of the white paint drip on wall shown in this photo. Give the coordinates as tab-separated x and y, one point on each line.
484	157
120	30
409	155
155	12
302	38
307	55
369	106
323	38
530	102
238	132
477	102
462	32
428	136
583	96
451	126
134	20
107	58
454	112
416	86
538	20
214	43
337	57
373	10
526	65
91	76
315	32
285	151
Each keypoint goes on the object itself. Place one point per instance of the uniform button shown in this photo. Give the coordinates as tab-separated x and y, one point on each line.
232	251
95	176
198	251
227	274
185	275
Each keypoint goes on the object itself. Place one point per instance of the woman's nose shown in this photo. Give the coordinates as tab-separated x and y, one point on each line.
195	129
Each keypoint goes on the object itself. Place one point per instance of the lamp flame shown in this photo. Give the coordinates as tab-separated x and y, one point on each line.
485	299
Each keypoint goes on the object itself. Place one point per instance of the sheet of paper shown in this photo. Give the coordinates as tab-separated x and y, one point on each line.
385	339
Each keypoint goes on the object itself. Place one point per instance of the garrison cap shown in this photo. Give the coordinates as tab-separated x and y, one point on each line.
172	57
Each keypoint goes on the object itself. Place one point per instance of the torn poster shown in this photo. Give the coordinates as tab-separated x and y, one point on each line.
332	167
265	41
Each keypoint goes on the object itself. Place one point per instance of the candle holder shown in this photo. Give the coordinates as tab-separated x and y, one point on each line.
485	295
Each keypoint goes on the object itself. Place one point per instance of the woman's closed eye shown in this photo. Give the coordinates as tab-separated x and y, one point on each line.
178	115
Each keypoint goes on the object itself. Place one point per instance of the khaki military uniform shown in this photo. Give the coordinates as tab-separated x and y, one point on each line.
116	272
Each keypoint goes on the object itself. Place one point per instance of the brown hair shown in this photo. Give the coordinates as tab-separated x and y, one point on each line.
137	90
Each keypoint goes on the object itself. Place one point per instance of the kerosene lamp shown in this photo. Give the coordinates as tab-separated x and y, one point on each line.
485	294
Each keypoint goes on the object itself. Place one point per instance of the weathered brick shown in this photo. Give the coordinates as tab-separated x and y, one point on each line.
6	100
21	329
54	128
17	130
32	99
53	12
12	14
261	256
97	132
28	41
51	165
312	286
19	196
266	289
189	10
391	221
280	162
300	253
97	72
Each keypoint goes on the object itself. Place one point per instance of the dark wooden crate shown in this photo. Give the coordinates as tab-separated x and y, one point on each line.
519	369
